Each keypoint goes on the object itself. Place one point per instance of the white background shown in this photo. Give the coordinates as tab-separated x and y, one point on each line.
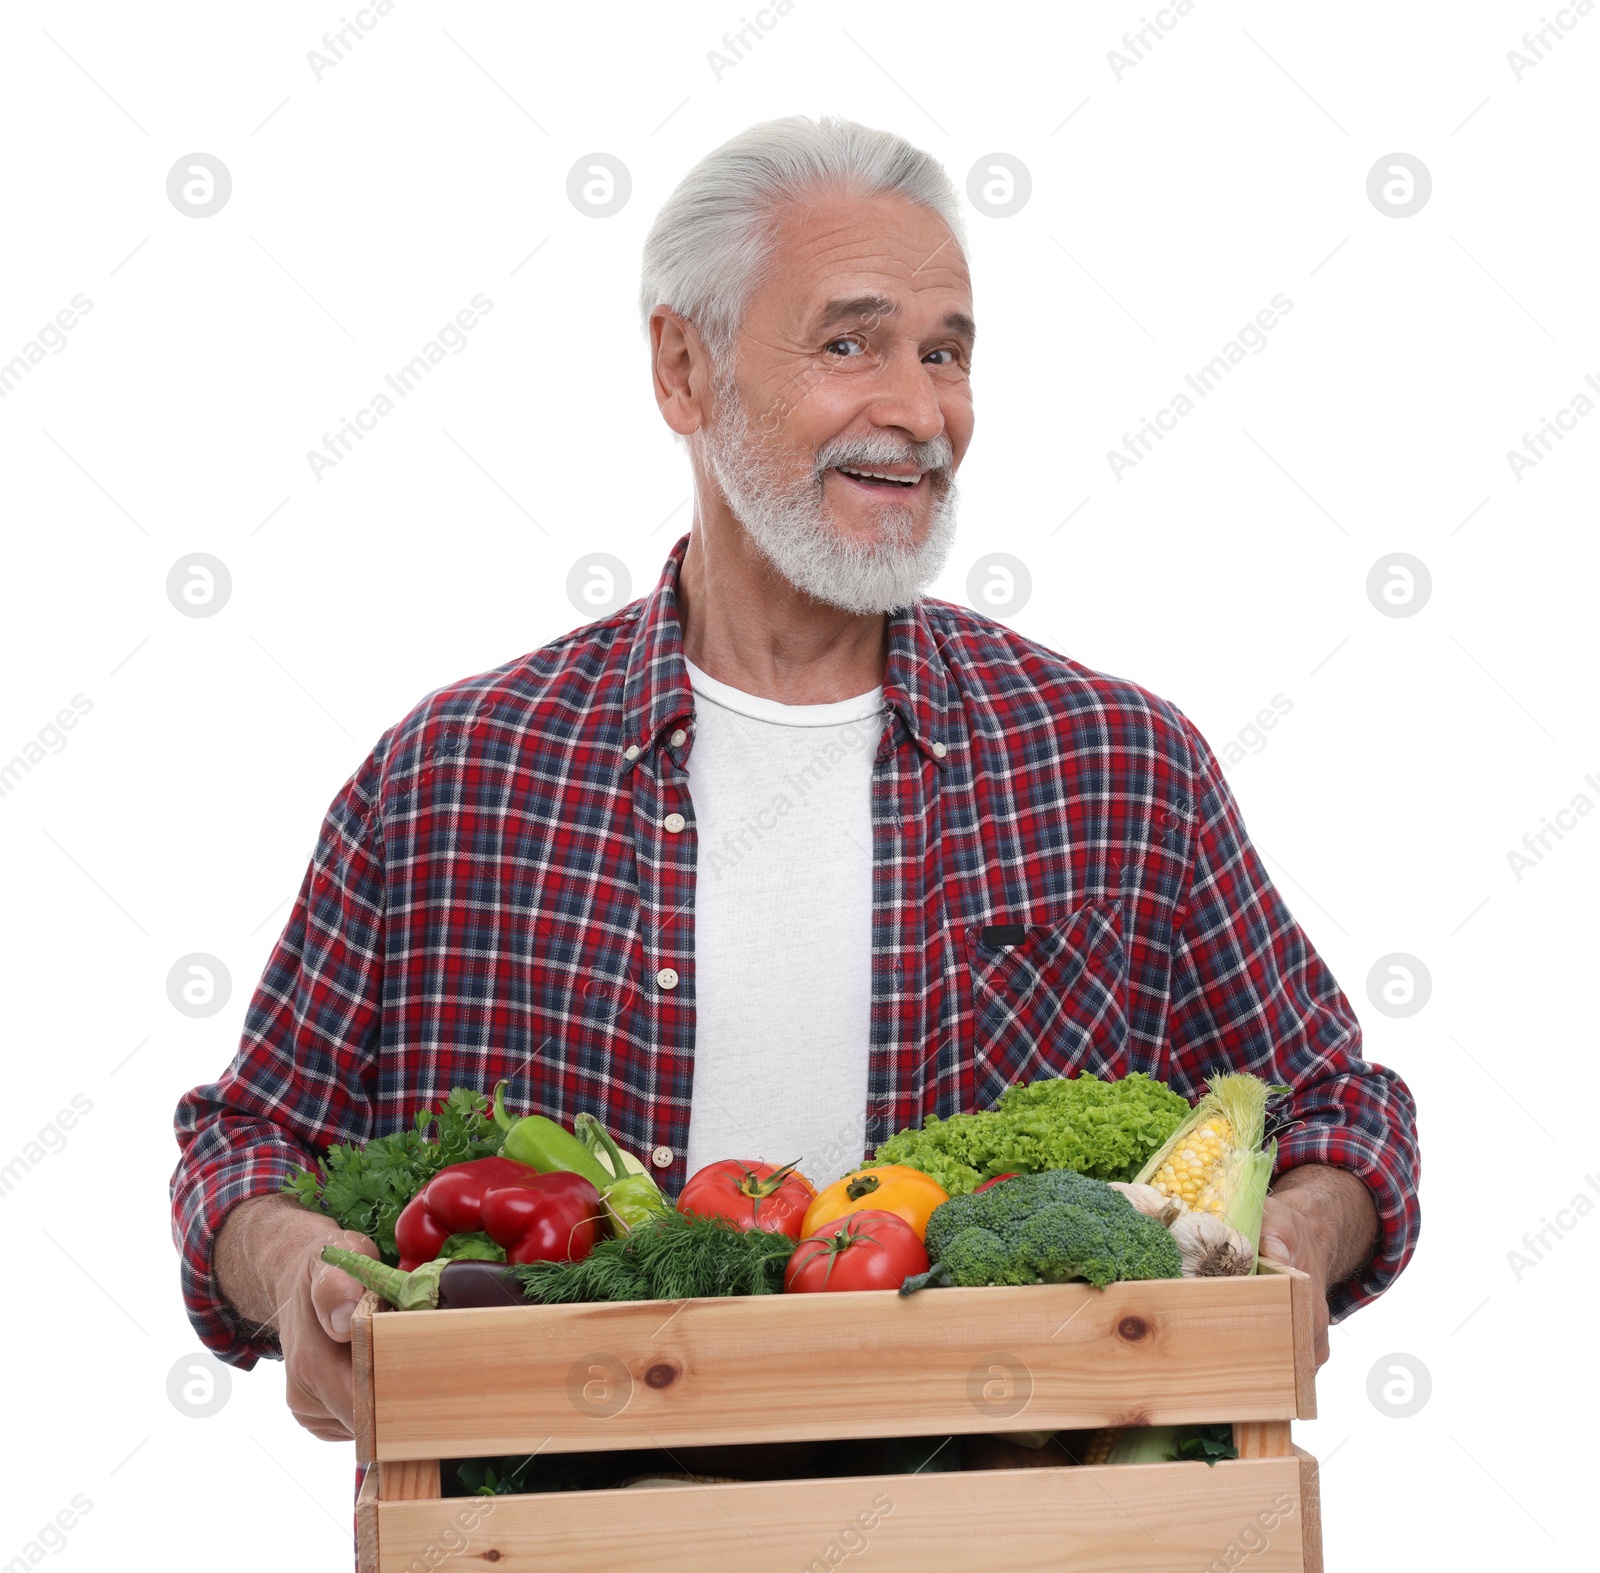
1167	208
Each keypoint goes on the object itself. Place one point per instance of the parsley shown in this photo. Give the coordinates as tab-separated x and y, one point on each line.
365	1187
1205	1444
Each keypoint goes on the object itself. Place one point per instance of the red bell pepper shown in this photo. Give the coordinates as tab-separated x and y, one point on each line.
535	1217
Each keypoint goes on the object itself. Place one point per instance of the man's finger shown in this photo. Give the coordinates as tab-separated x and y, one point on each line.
343	1404
334	1297
335	1294
1272	1246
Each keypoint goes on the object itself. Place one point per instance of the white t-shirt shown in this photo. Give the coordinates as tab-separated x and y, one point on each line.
782	800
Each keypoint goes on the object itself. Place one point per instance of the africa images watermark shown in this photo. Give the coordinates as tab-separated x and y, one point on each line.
737	45
51	1138
1255	1536
1138	44
1538	444
1251	339
353	429
739	840
1538	1243
852	1540
52	337
51	739
1537	44
337	46
1536	843
1252	737
52	1536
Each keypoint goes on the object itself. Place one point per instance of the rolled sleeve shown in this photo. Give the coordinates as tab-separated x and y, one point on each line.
228	1160
306	1062
1250	993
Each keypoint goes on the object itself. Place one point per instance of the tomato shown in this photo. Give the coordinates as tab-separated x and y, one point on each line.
893	1188
865	1250
995	1181
750	1195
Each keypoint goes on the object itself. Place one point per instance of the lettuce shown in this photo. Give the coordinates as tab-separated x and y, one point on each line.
1105	1129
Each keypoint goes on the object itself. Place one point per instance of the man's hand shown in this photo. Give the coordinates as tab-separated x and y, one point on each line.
269	1266
1323	1221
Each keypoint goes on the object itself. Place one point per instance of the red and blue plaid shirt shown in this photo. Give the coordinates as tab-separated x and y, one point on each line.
1061	883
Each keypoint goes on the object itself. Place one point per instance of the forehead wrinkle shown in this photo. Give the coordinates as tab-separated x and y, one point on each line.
906	277
826	254
830	237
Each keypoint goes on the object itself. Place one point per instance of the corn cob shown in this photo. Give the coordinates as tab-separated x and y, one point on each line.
1130	1445
1214	1162
1097	1450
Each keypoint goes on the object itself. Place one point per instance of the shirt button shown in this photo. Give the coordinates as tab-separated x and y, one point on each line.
673	823
662	1157
679	738
631	751
939	750
667	978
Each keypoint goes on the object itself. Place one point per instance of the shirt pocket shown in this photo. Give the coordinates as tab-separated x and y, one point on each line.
1048	999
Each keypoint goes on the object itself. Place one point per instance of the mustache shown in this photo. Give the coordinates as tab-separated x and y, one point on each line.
866	452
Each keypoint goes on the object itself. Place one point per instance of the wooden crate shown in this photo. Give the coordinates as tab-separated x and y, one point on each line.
435	1385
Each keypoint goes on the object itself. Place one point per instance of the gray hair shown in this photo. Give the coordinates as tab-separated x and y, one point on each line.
713	238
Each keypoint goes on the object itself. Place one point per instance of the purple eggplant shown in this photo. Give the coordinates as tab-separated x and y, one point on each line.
436	1285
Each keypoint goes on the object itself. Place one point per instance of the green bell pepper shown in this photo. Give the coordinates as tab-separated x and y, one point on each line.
544	1145
630	1198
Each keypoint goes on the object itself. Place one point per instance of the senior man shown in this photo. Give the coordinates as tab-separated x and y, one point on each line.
782	857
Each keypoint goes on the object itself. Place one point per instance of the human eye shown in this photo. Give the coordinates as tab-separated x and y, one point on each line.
833	345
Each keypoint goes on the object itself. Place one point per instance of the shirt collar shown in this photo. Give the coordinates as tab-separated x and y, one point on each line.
917	684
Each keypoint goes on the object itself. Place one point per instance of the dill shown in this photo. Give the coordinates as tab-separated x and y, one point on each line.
674	1257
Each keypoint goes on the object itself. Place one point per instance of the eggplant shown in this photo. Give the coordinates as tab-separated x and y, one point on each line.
463	1284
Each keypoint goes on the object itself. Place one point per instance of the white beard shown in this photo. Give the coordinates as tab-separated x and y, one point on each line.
782	508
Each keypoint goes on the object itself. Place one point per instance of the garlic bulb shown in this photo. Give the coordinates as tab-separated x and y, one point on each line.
1148	1200
1210	1247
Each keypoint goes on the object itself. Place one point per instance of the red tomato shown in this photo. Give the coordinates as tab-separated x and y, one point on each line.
866	1250
998	1179
750	1195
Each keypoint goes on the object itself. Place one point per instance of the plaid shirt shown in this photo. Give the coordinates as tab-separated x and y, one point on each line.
498	892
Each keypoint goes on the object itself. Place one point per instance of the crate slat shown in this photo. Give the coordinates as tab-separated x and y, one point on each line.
361	1374
1130	1518
1310	1510
410	1480
1262	1438
367	1524
502	1380
1305	1343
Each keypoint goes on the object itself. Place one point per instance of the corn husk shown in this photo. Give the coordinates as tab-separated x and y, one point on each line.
1240	1100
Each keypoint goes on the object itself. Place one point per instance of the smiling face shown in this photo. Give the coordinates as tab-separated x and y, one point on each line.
845	406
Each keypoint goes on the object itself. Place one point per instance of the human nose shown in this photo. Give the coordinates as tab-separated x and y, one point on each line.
905	397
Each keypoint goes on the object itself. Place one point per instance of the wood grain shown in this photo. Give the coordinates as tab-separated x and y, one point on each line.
1310	1510
412	1479
1129	1518
367	1524
1305	1342
1262	1438
454	1384
361	1373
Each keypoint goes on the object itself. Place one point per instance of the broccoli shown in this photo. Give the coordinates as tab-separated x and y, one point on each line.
1047	1228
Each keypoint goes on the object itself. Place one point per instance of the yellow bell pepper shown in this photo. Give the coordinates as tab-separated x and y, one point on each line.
892	1187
